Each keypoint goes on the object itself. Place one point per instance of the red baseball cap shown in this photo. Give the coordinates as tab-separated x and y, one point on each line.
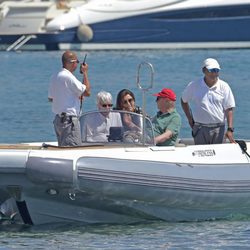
167	93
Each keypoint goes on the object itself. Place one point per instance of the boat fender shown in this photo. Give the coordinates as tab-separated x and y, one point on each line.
50	170
84	33
243	146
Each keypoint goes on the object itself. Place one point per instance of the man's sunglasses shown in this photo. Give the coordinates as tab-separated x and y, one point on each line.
107	105
213	70
74	60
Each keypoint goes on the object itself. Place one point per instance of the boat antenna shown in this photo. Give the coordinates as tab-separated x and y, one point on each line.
144	89
81	98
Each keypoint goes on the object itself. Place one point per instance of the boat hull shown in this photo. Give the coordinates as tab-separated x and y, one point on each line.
171	27
127	184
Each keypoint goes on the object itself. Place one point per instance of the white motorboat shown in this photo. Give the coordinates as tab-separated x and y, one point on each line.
135	24
124	180
119	176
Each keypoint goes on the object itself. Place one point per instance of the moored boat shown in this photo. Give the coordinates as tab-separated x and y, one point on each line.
101	24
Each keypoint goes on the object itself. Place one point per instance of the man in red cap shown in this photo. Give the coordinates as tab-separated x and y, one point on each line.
167	122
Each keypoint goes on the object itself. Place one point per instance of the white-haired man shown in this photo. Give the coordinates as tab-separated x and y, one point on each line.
96	126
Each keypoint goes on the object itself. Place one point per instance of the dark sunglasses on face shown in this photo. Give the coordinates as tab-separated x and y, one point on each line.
74	60
213	70
128	101
158	98
107	105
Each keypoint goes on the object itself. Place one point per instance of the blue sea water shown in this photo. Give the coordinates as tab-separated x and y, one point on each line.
26	116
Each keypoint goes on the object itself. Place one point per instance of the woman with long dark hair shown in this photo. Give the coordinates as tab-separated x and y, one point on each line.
126	101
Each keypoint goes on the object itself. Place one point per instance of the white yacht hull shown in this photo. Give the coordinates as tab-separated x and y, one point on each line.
119	24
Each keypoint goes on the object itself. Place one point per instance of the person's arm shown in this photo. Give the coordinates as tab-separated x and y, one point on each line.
171	130
229	132
186	109
85	81
50	91
127	119
163	137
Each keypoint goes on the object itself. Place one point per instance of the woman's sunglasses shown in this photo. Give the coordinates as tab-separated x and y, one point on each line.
128	101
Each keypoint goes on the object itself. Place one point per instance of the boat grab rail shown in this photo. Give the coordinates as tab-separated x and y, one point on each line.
144	89
138	78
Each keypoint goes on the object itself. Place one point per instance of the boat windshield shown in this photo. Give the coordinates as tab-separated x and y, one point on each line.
116	127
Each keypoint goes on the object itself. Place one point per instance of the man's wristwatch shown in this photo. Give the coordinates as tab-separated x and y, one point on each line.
230	129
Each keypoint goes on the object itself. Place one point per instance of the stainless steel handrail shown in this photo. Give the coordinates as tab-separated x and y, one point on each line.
144	89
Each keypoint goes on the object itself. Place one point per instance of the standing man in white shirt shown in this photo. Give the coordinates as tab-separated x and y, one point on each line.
65	93
212	105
